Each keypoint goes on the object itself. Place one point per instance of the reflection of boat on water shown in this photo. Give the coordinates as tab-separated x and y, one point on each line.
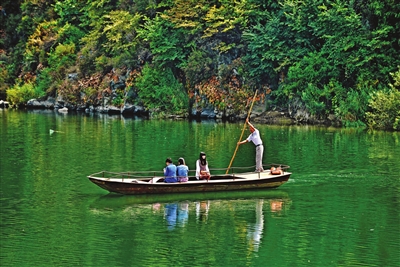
248	216
114	201
244	214
136	183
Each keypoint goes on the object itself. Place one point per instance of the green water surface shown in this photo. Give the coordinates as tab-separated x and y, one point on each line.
339	208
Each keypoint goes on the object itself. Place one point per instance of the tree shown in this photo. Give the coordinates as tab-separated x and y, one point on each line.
160	91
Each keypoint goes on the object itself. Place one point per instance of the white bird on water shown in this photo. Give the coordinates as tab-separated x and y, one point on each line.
52	131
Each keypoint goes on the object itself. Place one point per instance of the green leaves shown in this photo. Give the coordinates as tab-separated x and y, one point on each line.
166	43
330	55
226	17
21	94
159	91
115	33
343	60
120	30
385	107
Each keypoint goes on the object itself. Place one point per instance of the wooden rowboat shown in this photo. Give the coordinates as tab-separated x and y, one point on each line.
150	182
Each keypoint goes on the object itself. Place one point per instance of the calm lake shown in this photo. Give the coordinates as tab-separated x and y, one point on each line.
340	207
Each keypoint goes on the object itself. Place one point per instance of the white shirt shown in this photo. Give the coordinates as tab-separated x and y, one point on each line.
255	137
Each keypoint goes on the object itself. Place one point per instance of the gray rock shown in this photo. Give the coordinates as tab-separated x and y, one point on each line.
40	104
72	76
4	104
114	110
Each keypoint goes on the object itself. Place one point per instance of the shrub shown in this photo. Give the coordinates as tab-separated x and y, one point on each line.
44	80
158	88
3	78
385	112
21	94
62	57
385	105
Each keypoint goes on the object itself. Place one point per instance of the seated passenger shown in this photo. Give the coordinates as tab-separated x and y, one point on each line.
202	171
182	170
170	172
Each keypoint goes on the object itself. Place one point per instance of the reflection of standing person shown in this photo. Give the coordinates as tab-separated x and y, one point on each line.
202	170
170	171
256	139
255	231
182	170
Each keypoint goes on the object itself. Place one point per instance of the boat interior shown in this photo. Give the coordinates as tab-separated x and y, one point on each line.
233	173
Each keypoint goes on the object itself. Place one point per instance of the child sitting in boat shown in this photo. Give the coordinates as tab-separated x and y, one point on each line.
182	170
170	172
202	170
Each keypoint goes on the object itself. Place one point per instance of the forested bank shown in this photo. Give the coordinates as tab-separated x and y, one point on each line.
316	59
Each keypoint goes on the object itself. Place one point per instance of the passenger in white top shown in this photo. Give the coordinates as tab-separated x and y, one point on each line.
202	170
256	139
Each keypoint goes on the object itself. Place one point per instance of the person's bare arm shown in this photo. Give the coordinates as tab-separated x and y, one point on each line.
249	123
242	142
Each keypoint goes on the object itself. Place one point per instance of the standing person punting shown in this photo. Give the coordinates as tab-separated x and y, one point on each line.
256	139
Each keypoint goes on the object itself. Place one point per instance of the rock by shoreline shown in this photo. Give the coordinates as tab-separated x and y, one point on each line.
277	116
4	104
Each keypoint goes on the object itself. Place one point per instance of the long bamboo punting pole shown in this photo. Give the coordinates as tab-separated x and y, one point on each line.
241	136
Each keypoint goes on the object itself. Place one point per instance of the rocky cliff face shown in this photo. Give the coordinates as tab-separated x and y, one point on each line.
259	115
118	97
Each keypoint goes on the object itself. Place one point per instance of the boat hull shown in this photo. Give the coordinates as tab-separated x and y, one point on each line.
246	181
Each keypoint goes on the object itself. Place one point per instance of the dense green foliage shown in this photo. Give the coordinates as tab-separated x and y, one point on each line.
385	107
27	91
328	57
160	90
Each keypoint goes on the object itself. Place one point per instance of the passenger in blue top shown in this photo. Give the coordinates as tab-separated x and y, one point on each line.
170	172
182	170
